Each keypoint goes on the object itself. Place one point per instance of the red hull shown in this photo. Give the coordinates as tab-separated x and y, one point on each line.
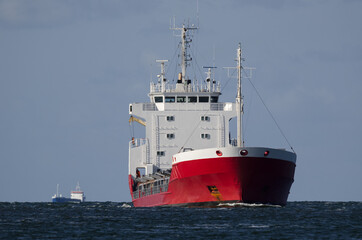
224	179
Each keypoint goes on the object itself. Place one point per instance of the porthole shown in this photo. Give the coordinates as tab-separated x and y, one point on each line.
218	152
244	152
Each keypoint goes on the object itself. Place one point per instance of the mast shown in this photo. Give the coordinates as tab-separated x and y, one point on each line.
183	53
185	43
77	188
239	100
162	75
209	79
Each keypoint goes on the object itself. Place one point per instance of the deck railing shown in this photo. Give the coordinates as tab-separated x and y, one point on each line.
136	142
153	189
157	88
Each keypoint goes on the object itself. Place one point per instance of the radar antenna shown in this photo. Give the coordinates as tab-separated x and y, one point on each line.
185	44
210	79
162	75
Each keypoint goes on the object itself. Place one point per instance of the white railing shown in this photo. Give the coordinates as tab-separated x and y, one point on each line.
217	106
149	107
221	106
137	142
157	88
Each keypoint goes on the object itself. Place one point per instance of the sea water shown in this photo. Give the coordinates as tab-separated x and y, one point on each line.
109	220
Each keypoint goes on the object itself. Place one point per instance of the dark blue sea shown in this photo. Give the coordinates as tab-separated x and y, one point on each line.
109	220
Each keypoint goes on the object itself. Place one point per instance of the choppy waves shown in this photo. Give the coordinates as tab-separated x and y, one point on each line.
98	220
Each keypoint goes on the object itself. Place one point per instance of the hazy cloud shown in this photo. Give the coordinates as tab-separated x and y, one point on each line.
38	13
46	13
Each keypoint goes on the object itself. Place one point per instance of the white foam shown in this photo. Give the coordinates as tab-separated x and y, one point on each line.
259	226
246	205
125	205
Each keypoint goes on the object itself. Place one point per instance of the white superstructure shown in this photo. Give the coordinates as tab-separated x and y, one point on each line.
181	117
77	194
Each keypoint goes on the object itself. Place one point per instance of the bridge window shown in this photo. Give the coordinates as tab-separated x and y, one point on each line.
170	135
170	118
181	99
158	99
203	99
213	99
192	99
205	118
170	99
205	136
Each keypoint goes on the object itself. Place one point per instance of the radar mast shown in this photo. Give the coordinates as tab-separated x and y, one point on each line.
185	44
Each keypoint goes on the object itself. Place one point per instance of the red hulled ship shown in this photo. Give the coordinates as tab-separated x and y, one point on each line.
188	158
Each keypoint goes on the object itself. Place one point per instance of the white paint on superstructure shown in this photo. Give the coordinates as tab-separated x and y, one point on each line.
77	194
177	126
182	116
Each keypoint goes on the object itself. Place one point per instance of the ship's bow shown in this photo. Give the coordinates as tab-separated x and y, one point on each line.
250	175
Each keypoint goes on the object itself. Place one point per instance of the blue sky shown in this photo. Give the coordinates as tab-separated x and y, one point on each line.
69	69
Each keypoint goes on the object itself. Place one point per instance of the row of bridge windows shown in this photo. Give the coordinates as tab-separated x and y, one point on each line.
184	99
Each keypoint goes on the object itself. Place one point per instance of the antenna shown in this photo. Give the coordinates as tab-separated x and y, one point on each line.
213	55
185	44
209	80
239	98
77	188
213	63
197	13
162	75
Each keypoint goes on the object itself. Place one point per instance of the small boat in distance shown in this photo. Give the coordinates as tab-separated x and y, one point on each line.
75	196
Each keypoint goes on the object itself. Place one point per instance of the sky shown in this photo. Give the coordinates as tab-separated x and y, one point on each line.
69	69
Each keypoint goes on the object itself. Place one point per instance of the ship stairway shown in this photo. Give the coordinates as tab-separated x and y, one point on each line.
222	131
147	152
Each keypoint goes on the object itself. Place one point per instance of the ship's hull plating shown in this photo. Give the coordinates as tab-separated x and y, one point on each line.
211	181
64	200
